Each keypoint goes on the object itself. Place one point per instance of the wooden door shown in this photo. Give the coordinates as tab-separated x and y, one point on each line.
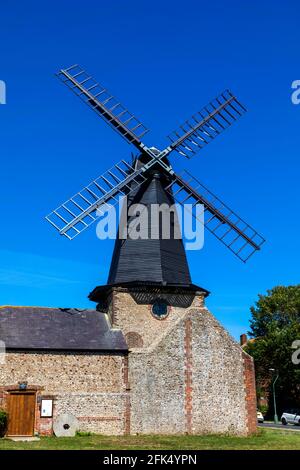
21	413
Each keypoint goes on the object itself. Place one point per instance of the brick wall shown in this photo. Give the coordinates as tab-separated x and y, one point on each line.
188	376
250	390
42	426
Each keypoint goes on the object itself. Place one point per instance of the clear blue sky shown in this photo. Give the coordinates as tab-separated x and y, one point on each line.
164	60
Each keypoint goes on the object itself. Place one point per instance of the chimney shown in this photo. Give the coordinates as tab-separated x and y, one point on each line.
243	339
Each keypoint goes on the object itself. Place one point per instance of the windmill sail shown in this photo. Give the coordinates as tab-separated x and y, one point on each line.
220	220
103	103
80	211
206	125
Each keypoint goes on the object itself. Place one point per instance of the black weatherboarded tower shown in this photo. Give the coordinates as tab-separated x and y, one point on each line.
155	260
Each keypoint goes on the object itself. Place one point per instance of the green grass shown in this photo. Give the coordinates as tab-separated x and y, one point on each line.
264	439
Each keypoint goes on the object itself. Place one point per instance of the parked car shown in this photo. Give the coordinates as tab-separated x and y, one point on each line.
260	417
291	417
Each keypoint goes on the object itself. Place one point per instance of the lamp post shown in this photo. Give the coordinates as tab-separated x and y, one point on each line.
274	396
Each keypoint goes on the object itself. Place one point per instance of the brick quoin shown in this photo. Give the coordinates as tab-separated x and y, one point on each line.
188	376
43	426
250	389
127	411
98	418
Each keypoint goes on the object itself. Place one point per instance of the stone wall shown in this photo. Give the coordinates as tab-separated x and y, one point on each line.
184	374
218	390
132	317
89	385
190	376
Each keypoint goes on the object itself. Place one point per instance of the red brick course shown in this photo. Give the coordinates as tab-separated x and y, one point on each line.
250	389
127	410
98	418
188	368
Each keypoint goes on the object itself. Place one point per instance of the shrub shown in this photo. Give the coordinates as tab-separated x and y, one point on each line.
263	409
3	422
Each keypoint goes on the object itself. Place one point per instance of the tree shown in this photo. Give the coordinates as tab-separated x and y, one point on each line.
275	325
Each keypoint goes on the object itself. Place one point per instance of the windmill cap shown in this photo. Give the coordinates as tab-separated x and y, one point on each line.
155	150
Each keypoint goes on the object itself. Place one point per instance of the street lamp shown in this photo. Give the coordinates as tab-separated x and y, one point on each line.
274	396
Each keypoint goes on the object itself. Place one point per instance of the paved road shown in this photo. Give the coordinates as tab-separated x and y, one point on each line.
288	427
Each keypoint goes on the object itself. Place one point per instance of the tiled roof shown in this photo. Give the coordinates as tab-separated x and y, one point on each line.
64	329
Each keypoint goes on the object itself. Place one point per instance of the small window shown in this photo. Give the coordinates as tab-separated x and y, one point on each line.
160	309
134	340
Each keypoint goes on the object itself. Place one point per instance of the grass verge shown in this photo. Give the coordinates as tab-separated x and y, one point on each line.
265	439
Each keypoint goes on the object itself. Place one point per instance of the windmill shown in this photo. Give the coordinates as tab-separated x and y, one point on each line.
150	177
